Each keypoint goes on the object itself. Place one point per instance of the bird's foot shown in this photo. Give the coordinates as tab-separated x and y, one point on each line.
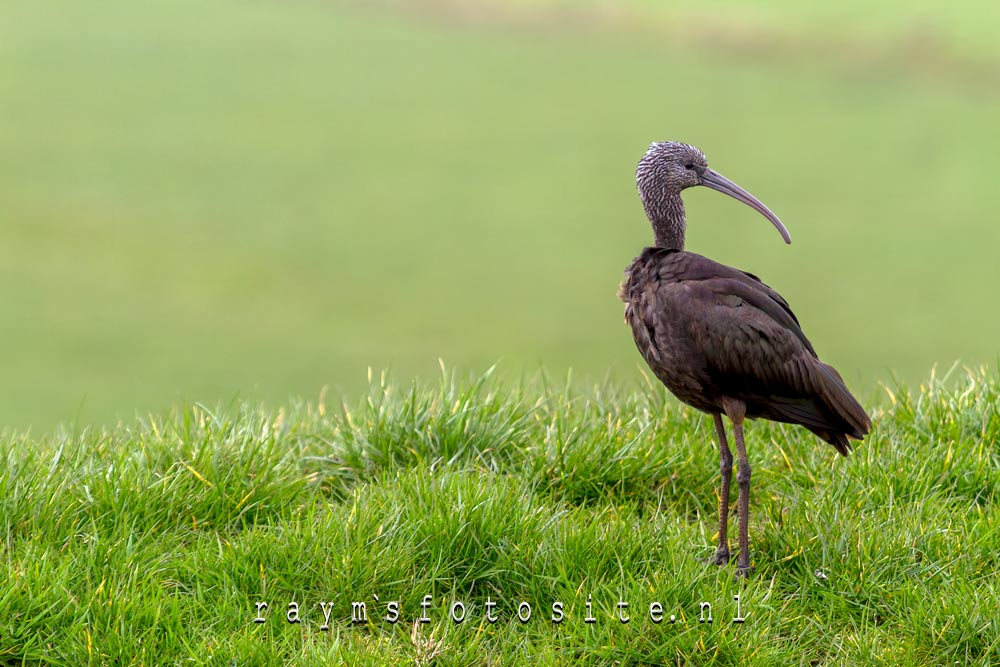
743	572
721	557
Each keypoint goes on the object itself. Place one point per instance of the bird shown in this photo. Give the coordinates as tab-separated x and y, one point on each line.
721	340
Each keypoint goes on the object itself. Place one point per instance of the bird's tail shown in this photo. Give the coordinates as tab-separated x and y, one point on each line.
837	398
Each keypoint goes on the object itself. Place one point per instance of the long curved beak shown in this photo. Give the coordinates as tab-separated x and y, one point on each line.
716	181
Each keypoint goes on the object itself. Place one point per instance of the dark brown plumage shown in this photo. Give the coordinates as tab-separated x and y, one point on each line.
721	340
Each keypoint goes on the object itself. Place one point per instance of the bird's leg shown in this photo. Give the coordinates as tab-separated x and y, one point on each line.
726	472
736	410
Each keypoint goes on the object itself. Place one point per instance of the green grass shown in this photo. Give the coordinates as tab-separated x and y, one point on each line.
151	543
204	200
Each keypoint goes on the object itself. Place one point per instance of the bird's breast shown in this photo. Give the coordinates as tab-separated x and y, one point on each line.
657	309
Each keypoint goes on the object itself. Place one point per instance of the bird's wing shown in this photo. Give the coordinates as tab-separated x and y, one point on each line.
747	286
747	338
777	298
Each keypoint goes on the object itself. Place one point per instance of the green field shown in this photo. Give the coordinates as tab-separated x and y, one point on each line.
207	208
232	200
153	544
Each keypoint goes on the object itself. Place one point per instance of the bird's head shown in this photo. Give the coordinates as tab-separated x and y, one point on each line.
671	166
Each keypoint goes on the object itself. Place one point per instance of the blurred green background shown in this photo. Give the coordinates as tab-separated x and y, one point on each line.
208	200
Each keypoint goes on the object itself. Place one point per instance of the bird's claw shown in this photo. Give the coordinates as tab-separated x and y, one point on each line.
721	558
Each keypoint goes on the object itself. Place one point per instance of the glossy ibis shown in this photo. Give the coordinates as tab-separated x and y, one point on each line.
721	340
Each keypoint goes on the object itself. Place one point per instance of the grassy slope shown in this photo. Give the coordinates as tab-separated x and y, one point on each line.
151	543
201	199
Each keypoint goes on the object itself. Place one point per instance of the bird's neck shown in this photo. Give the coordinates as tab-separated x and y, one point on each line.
667	217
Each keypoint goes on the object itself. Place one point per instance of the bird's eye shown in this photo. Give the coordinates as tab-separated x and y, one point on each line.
689	166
